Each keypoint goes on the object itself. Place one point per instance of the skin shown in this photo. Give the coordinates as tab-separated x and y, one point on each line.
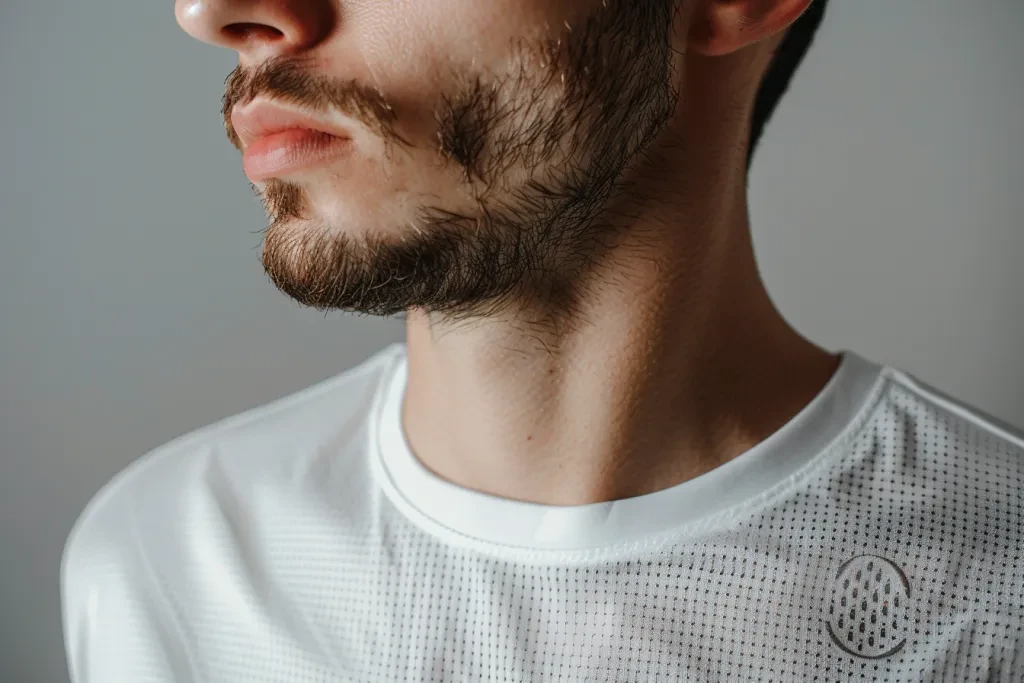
647	356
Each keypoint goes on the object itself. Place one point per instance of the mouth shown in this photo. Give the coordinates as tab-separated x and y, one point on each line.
277	141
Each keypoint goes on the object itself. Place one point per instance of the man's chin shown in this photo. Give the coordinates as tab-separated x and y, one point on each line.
439	268
328	267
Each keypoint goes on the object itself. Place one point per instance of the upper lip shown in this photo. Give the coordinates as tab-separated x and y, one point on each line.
262	117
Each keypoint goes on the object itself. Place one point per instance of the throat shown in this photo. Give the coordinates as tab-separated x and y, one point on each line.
600	422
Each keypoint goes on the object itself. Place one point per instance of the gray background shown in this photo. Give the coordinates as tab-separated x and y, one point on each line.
887	203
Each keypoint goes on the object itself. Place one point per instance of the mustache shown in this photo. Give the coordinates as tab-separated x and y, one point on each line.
285	79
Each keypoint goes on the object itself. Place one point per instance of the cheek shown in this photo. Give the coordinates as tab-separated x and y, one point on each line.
419	44
413	51
416	51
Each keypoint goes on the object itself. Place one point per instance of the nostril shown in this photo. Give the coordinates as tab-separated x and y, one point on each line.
249	31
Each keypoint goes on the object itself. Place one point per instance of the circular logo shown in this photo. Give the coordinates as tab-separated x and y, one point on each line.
867	616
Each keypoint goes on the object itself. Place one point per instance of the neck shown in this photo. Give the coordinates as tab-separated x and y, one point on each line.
674	361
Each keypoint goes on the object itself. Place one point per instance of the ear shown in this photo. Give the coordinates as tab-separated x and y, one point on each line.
720	27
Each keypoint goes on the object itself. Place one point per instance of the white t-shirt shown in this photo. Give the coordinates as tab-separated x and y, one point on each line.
878	536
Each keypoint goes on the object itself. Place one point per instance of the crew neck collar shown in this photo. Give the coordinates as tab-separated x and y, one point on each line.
453	511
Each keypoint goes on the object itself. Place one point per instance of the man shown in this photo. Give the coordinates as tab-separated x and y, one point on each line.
602	454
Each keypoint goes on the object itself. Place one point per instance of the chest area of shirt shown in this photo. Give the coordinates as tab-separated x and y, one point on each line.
778	610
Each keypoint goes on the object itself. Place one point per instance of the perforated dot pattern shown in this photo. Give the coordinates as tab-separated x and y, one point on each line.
898	557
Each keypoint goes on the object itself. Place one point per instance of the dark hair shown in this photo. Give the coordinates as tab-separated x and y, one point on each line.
780	72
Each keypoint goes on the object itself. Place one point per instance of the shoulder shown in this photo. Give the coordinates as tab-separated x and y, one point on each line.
950	429
932	447
157	526
263	441
943	476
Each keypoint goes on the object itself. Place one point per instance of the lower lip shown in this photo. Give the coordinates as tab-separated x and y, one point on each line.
292	150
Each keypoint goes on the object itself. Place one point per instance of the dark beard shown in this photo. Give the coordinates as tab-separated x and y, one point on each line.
528	245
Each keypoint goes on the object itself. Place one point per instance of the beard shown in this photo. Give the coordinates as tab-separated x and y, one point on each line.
542	150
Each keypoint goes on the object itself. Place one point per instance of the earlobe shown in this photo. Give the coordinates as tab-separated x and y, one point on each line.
720	27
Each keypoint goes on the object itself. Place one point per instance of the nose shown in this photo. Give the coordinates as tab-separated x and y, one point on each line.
258	29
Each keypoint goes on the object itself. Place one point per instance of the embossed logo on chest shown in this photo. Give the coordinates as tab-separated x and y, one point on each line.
867	615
